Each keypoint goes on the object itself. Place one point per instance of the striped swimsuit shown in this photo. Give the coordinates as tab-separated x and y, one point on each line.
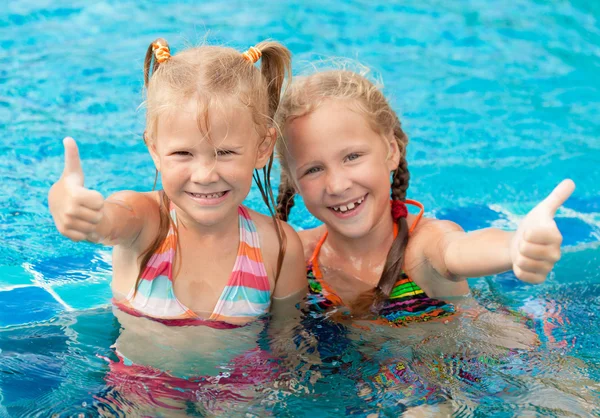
246	296
407	301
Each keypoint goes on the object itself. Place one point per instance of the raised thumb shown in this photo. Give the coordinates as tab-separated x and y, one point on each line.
558	196
72	168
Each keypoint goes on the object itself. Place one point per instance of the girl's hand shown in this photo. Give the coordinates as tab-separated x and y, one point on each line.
77	211
535	247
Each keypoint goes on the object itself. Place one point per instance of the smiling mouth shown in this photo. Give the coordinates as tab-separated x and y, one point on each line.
348	207
216	195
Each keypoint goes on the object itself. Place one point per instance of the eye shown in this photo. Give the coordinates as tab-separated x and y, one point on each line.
223	152
352	156
312	170
181	153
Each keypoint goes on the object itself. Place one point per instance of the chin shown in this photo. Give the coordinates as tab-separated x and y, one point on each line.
350	231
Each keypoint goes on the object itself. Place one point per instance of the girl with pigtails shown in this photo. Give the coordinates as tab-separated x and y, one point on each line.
372	259
192	253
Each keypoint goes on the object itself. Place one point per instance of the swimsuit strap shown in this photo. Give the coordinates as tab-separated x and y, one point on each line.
419	215
247	293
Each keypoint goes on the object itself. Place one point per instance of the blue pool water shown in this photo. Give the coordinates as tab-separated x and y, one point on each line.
498	103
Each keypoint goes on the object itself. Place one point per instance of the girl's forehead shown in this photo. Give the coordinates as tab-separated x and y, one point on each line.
332	117
218	119
335	124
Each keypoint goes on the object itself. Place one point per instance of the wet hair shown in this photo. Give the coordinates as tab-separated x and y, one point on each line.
304	96
211	75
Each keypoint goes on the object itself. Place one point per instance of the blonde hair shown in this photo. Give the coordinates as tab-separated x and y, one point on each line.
211	74
304	96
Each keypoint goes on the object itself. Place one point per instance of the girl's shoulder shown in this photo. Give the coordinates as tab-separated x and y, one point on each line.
135	208
424	258
270	243
427	240
267	233
430	227
132	200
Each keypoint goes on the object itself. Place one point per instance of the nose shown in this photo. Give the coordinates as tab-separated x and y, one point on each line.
337	182
205	172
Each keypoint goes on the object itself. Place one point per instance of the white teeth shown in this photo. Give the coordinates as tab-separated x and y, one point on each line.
349	206
208	196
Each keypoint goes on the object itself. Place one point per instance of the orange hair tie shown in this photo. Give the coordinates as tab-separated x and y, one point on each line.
161	52
252	54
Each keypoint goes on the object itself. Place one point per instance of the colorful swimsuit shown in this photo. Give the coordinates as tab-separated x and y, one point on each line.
246	296
407	301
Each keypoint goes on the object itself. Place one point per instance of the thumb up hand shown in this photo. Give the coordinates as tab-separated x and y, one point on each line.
535	247
77	211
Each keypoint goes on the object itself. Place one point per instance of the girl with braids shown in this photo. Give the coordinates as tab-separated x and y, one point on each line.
340	142
340	145
192	254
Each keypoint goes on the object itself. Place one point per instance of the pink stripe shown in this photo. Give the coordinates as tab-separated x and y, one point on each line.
157	258
250	238
150	273
247	265
244	213
179	322
242	278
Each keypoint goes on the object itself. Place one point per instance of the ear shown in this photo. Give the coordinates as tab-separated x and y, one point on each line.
154	154
393	152
265	148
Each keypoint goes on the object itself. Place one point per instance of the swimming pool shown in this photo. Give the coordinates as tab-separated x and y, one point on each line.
498	104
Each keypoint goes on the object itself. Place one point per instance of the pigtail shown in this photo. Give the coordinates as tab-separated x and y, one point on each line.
276	65
157	53
285	198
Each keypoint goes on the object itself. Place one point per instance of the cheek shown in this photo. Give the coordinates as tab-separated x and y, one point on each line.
238	172
310	190
175	169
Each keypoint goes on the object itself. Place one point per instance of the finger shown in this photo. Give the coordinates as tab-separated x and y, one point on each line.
90	199
528	277
77	225
93	237
86	214
539	251
72	168
74	235
547	233
530	265
557	197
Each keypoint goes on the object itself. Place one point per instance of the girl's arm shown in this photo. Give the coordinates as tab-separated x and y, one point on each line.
531	251
292	284
84	215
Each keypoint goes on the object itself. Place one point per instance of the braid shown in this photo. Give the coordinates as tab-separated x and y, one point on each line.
400	180
393	268
285	198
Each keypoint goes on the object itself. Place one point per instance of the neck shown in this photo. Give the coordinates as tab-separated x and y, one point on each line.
373	246
217	231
